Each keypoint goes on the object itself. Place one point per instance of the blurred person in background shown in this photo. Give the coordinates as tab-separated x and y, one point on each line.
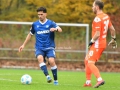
44	30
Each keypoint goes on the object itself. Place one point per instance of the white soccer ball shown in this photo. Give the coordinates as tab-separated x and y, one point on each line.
26	79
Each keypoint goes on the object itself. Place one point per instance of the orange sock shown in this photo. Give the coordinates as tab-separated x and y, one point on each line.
87	70
94	70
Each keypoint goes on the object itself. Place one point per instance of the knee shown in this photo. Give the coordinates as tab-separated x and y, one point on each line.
52	61
40	58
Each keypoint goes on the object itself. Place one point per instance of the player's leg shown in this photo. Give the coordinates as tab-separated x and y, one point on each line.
53	69
95	55
42	65
51	56
96	72
88	74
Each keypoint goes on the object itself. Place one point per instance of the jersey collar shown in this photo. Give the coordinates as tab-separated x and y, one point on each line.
42	22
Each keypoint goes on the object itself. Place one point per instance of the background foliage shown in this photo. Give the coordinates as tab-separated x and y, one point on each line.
74	11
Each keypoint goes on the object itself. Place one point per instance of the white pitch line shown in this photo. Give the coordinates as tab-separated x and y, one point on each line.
49	83
7	79
17	74
3	79
10	74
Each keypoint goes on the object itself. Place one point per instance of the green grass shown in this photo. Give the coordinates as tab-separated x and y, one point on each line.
68	80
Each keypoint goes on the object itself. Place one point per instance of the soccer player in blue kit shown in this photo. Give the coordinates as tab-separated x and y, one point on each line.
45	46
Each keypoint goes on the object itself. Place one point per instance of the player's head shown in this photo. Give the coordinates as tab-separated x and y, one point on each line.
42	13
43	9
97	5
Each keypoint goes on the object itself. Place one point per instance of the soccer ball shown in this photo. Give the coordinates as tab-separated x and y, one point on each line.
26	79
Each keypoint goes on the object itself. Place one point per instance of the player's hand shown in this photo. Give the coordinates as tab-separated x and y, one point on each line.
53	29
113	43
21	48
90	44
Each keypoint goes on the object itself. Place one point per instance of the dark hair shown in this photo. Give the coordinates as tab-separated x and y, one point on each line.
99	3
42	9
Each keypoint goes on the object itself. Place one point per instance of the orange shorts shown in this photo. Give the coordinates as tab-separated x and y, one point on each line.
94	53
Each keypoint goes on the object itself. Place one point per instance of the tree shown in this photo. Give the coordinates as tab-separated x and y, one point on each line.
74	11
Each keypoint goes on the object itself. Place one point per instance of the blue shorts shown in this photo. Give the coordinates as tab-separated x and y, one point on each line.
45	53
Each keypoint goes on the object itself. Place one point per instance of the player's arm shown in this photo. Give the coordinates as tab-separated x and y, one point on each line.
112	31
25	42
113	37
58	29
55	27
97	27
94	38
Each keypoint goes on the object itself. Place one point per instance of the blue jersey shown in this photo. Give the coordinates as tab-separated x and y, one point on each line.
44	37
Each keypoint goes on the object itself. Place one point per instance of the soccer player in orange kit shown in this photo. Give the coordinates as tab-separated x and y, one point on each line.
97	45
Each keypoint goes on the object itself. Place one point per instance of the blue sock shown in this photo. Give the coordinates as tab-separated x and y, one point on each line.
44	68
54	72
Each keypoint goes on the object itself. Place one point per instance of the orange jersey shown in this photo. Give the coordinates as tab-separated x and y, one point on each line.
102	23
94	53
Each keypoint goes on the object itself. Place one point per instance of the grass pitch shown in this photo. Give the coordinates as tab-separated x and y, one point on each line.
68	80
